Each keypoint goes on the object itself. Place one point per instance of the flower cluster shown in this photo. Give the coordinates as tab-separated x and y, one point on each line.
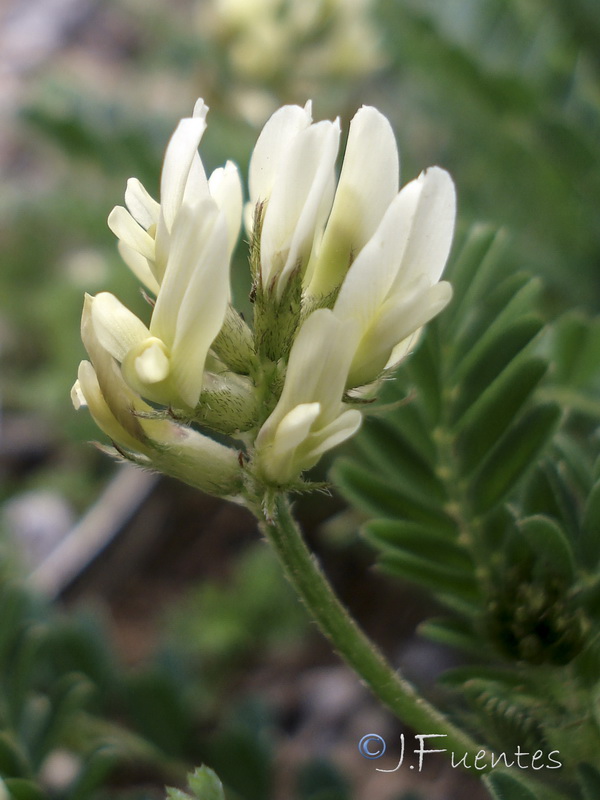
320	37
344	276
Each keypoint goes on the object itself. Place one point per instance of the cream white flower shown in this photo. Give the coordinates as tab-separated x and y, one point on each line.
320	38
344	276
367	185
310	418
135	429
392	287
165	362
292	172
145	228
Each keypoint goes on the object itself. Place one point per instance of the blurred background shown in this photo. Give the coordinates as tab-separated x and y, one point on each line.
144	627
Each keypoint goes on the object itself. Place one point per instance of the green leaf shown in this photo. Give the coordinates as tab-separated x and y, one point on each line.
489	417
381	497
454	632
495	326
550	544
423	369
420	540
390	454
460	675
512	456
474	269
52	718
508	787
465	348
408	421
492	361
437	577
576	344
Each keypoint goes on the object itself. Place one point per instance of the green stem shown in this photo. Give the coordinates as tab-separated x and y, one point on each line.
352	644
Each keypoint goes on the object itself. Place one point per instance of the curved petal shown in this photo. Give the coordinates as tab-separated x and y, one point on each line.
189	237
152	363
124	226
342	428
294	429
181	154
432	227
193	298
88	387
139	265
319	362
368	183
316	376
225	187
372	274
271	148
296	208
401	316
142	207
117	328
202	314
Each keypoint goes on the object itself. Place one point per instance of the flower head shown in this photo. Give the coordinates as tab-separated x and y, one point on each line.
345	274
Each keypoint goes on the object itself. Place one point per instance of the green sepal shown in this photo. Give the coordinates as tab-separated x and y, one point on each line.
276	321
234	344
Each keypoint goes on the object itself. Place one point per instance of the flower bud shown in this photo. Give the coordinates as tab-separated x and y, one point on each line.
292	174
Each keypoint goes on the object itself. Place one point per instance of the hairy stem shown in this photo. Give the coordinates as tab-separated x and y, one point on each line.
350	641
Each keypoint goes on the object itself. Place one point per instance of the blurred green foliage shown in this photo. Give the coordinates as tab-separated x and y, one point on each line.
252	612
